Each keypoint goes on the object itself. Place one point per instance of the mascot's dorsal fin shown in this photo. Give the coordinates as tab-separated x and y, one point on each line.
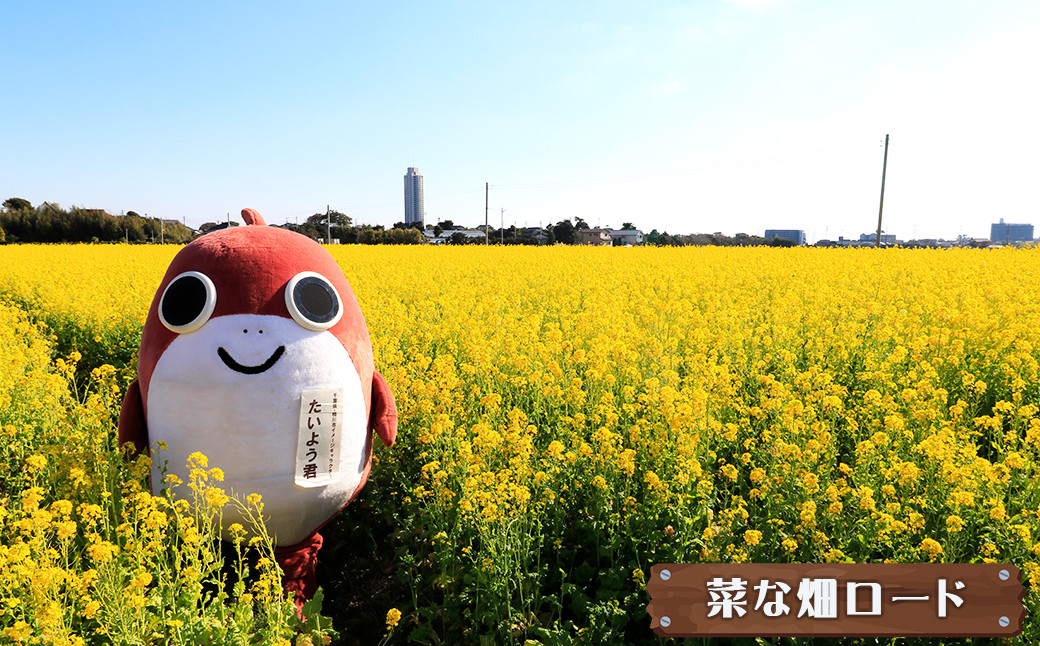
252	217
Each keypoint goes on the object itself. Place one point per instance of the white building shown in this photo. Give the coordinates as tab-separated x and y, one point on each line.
414	211
633	237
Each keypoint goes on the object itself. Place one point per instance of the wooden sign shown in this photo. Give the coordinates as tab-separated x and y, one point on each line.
836	599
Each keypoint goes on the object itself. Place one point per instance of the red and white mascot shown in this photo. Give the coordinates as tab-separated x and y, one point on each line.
255	353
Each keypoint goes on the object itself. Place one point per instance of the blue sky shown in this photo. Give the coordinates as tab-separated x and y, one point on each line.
732	116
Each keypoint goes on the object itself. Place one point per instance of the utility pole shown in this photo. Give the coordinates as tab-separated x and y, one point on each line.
486	213
328	223
881	208
162	231
502	226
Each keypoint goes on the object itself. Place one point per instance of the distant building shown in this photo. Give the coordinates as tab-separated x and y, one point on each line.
447	235
631	237
414	211
599	237
1003	233
796	236
218	227
534	233
886	238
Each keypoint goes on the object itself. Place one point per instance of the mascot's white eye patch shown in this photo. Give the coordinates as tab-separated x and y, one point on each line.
188	302
312	301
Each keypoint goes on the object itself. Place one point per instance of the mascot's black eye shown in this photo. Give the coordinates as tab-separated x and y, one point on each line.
313	301
188	302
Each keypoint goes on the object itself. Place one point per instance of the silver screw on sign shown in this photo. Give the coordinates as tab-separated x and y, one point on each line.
667	621
665	575
1003	621
1004	575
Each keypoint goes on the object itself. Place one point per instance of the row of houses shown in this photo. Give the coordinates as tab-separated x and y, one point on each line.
1001	233
596	237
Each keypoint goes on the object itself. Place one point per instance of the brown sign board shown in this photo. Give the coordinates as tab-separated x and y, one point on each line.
836	600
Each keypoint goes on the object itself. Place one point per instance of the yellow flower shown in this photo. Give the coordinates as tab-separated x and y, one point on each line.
18	632
752	537
393	616
216	498
102	551
931	548
90	609
142	580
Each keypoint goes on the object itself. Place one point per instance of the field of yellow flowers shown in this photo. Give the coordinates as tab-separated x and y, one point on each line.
569	417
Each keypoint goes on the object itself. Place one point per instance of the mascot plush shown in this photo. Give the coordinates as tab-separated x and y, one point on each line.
255	353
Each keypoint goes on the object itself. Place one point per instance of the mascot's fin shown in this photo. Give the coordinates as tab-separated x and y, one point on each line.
298	563
383	419
132	425
252	217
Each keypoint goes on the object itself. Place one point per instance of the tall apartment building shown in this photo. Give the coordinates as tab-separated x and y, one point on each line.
413	197
1003	233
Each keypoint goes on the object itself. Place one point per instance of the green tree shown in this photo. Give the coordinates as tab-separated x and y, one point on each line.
333	218
17	204
565	232
628	226
3	236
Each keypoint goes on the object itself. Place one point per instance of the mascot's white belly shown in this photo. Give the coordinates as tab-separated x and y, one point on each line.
250	424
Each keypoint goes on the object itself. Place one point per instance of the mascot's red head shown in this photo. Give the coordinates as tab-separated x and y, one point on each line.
256	354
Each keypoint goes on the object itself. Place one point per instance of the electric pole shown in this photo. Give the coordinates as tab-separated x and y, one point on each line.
881	208
486	213
328	223
502	226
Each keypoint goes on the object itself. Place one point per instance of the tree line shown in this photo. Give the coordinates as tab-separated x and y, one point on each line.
20	221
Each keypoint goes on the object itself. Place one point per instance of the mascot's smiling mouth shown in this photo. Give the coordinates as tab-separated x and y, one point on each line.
230	362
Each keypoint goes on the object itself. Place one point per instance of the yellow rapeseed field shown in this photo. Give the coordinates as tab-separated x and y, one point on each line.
569	417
